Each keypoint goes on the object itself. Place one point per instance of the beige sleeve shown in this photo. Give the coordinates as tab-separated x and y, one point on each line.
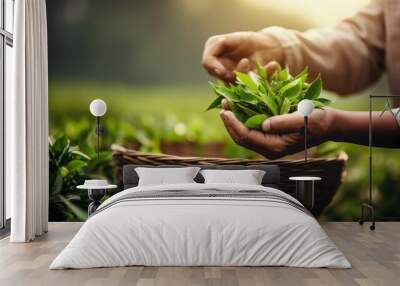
349	56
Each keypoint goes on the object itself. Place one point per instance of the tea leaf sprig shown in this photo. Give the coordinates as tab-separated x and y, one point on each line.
255	97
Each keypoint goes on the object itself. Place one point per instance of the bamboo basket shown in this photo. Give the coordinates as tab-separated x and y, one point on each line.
331	170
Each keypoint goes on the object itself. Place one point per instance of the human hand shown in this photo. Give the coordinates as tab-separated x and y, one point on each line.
280	135
224	54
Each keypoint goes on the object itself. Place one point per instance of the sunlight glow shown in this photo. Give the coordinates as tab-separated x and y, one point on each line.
320	13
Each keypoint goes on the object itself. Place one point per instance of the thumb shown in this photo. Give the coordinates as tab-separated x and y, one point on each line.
281	124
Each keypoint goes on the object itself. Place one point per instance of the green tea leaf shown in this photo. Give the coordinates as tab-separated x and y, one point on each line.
285	107
314	90
247	110
262	88
273	107
258	95
246	80
255	121
226	92
321	102
317	104
216	103
247	96
303	75
261	70
283	74
265	88
255	78
324	101
292	89
240	114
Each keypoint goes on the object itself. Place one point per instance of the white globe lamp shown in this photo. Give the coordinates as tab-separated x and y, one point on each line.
305	108
98	108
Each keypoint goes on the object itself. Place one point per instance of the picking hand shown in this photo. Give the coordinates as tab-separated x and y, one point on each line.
280	134
224	54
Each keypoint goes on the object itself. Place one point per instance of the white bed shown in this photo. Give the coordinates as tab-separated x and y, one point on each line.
206	230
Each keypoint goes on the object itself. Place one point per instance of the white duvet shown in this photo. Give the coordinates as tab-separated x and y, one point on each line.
200	231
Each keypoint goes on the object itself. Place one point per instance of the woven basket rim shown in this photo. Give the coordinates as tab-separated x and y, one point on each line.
117	149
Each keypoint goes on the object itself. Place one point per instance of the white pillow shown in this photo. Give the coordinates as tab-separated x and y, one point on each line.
165	176
247	177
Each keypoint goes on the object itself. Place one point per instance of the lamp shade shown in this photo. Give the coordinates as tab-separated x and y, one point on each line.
305	107
98	107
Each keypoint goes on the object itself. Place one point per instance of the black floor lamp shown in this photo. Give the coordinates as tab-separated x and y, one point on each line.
368	207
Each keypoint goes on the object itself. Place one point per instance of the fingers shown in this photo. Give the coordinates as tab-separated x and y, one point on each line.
272	146
283	124
234	127
248	138
242	135
271	67
225	104
244	65
214	48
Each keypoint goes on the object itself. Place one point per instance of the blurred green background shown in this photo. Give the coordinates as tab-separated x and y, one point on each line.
143	59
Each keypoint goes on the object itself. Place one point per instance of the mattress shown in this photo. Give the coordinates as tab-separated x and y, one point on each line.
201	225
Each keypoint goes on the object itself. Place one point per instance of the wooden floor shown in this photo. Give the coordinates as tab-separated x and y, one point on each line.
375	257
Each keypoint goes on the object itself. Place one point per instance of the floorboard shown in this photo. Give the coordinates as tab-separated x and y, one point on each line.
375	257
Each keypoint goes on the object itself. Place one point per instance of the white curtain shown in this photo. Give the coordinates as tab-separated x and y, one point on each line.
27	124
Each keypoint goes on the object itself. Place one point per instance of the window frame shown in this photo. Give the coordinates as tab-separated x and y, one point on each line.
6	39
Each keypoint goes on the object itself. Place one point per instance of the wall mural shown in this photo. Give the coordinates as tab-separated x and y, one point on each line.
143	58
